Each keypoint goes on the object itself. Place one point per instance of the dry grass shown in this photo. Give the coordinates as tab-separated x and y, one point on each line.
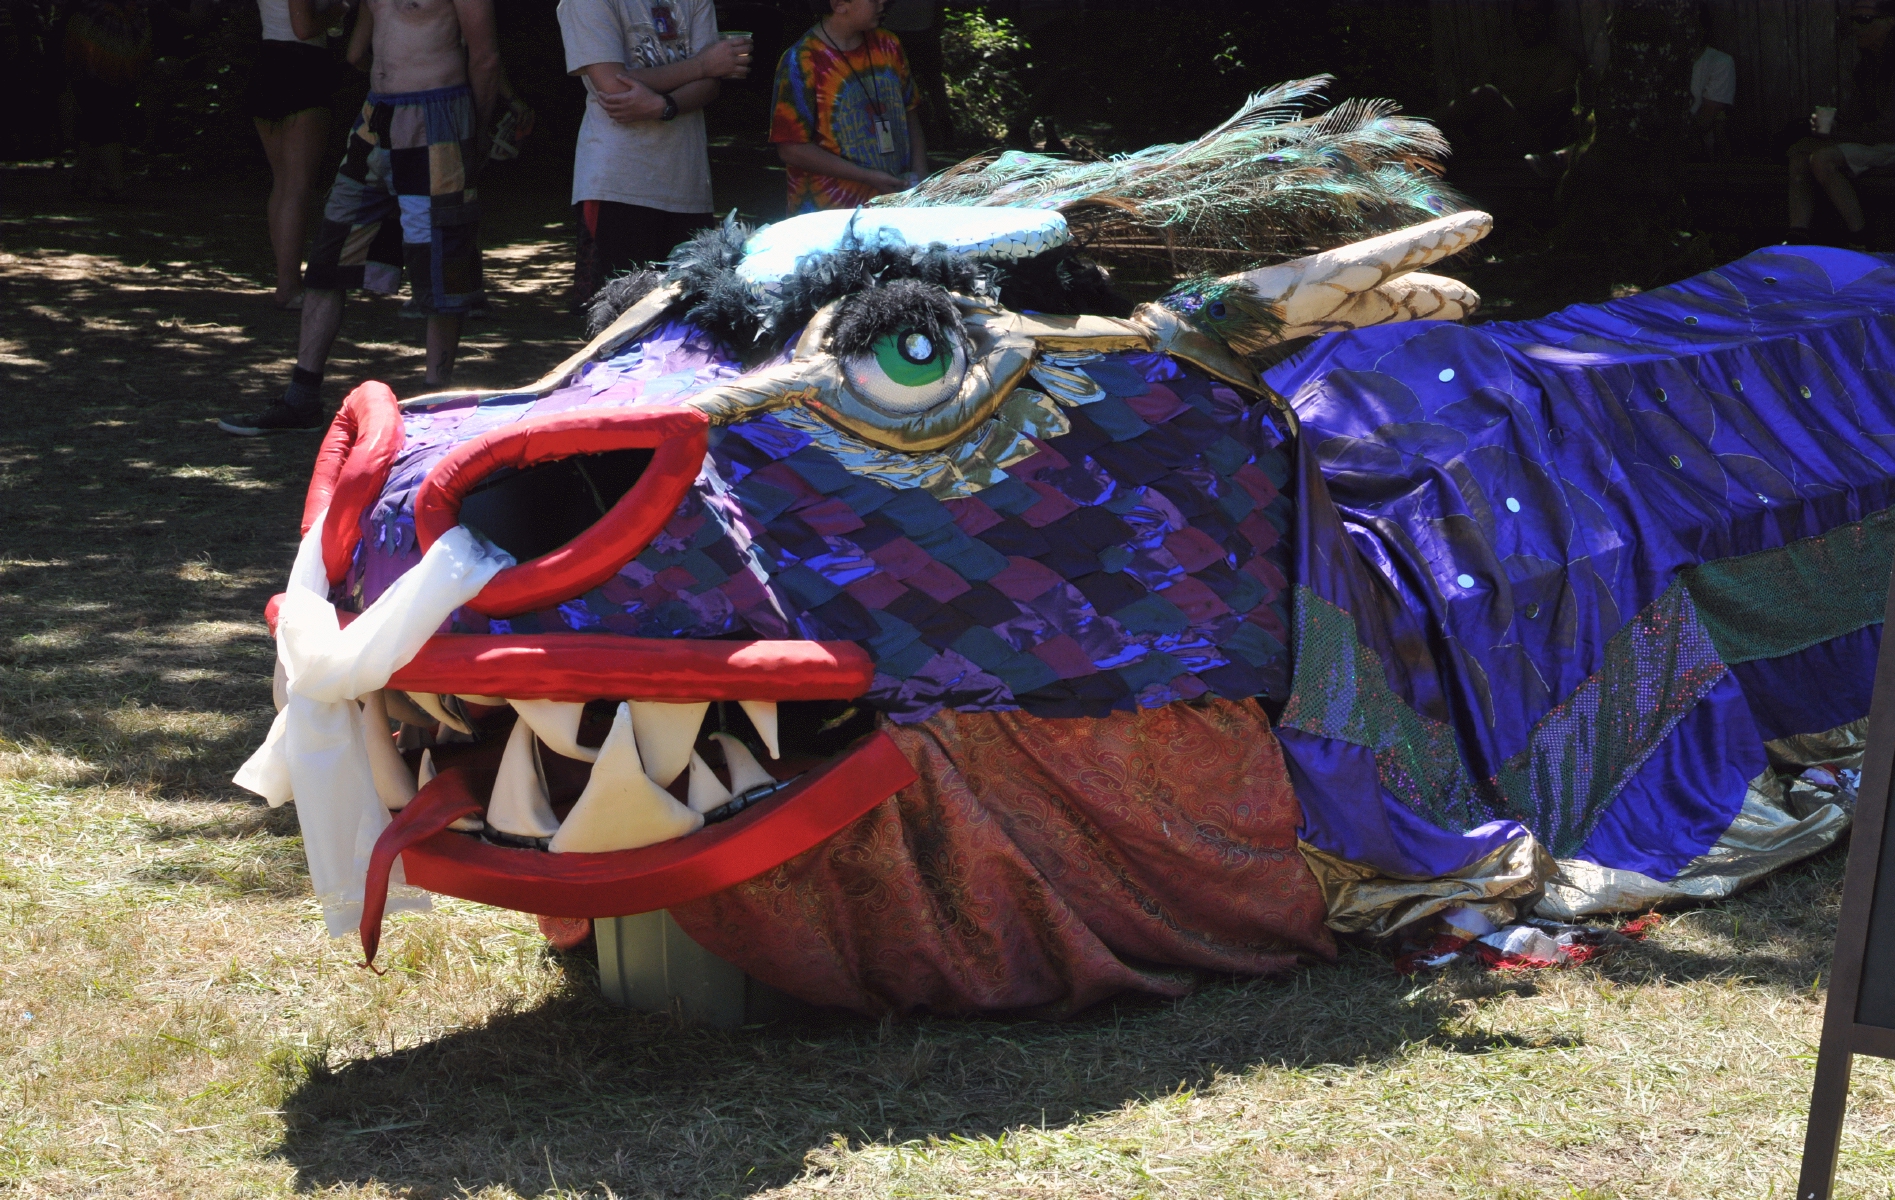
174	1022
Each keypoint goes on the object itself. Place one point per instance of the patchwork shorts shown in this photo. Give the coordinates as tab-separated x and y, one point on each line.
405	171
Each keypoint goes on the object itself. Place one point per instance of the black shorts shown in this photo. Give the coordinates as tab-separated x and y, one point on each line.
615	238
288	78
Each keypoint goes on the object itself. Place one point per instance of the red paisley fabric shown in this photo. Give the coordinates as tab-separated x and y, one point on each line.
1041	865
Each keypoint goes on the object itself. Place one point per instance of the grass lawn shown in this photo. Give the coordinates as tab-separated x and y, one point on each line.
173	1020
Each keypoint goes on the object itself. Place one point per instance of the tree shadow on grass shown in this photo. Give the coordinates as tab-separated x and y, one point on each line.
593	1097
579	1095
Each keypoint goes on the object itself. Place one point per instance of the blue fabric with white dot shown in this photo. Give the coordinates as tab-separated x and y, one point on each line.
1492	504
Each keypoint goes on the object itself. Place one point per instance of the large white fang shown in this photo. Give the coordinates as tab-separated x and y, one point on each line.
392	782
431	704
707	791
519	806
666	733
557	724
745	771
621	808
762	714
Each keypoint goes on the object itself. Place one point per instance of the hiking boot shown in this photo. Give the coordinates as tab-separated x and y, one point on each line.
278	418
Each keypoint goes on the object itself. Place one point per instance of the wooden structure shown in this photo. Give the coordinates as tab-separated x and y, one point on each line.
1791	54
1860	1016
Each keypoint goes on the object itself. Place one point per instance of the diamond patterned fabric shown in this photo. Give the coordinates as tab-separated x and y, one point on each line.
1082	552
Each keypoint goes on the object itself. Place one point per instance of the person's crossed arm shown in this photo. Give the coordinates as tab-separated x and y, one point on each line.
637	94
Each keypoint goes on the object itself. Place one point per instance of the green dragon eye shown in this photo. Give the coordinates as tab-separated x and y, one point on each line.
910	358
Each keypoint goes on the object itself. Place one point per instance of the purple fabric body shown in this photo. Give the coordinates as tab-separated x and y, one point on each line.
1491	505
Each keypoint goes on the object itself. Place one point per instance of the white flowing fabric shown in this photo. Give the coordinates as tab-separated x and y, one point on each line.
315	752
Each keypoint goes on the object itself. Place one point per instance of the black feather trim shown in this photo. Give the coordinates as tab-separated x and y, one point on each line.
906	304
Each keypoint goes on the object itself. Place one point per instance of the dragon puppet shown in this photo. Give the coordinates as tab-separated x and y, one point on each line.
924	625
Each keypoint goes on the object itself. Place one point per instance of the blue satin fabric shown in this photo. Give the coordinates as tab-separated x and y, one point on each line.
1491	504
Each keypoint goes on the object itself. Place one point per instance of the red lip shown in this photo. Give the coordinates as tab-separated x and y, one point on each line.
625	881
588	666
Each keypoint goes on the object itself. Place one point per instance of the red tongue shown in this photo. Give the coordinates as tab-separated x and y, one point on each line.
447	798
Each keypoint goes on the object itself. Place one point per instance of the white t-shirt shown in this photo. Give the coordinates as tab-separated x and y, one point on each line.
656	164
277	27
1714	78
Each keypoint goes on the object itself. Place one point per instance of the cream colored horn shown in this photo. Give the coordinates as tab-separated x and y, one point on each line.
1416	296
1312	293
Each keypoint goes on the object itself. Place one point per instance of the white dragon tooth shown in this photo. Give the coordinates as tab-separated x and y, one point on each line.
762	714
557	724
393	783
665	734
431	704
621	808
707	790
519	806
280	684
745	771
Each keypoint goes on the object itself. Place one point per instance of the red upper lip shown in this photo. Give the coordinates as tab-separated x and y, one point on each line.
590	666
677	438
605	666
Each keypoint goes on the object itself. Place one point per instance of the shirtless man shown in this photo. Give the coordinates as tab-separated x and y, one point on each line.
411	162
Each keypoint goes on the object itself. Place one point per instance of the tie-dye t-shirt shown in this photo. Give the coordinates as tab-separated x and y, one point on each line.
830	99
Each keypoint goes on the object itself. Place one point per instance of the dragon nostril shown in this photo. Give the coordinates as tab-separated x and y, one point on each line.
531	511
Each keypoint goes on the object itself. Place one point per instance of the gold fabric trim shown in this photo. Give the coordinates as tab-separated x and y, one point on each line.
1182	339
1360	900
1784	819
631	323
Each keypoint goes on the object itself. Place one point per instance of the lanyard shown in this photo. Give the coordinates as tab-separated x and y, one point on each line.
872	90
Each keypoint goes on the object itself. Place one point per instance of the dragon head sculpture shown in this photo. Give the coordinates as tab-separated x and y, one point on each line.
847	469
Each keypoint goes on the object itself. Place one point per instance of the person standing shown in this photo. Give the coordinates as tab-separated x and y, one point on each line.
641	180
108	46
845	119
411	159
290	83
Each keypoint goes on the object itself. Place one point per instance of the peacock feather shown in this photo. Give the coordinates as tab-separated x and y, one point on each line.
1272	183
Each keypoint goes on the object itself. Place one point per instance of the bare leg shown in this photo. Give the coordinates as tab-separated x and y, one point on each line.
444	338
294	146
322	320
1832	171
1802	189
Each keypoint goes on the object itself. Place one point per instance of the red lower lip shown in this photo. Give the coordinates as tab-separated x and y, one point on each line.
622	882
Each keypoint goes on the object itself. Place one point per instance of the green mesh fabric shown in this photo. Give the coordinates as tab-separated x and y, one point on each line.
1340	692
1587	748
1579	755
1779	601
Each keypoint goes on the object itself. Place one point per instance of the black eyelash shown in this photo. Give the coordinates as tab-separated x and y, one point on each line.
892	308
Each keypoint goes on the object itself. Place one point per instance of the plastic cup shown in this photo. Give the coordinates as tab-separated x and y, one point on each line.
1825	119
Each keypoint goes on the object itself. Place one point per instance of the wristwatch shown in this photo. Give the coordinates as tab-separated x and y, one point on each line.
671	107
